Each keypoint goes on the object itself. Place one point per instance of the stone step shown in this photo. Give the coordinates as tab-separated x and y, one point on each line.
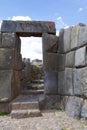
38	81
25	113
25	105
37	86
35	92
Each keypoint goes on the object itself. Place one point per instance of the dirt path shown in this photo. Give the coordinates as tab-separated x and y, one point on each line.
51	120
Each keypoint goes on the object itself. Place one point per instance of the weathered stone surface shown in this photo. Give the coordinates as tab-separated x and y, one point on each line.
65	82
18	64
54	62
6	58
50	43
18	43
5	85
70	59
80	81
66	39
25	113
0	38
64	100
74	106
80	57
16	83
25	105
8	40
51	82
84	109
61	41
82	35
74	36
4	107
52	102
26	28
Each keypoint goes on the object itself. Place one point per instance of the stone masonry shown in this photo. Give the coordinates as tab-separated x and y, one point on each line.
64	62
72	82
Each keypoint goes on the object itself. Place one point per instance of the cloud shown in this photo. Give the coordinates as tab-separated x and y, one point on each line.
60	23
80	9
31	47
23	18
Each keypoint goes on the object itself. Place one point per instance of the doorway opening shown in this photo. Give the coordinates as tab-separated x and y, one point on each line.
32	58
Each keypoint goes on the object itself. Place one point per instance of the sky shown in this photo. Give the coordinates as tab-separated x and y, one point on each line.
63	12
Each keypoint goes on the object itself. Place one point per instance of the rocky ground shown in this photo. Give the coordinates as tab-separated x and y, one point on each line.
50	120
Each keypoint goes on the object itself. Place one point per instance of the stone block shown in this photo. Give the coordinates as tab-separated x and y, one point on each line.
67	39
84	110
65	82
4	107
50	43
6	58
74	106
80	57
16	83
51	82
82	35
5	85
18	43
52	102
26	28
8	40
74	36
18	64
54	62
61	41
64	100
80	81
70	59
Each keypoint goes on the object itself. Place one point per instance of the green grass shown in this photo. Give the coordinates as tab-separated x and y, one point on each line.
3	113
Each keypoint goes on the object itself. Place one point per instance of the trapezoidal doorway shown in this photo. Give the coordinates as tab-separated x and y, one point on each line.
33	74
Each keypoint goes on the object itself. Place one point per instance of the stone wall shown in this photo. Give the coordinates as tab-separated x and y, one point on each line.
64	61
11	76
72	82
10	66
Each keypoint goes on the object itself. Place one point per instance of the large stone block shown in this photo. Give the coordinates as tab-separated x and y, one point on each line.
74	106
26	28
52	102
50	43
54	62
8	40
5	85
16	83
65	82
18	64
61	41
70	59
84	109
6	58
51	82
74	37
82	35
67	39
80	57
80	81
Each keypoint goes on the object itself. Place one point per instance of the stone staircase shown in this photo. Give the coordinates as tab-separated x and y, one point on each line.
29	102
